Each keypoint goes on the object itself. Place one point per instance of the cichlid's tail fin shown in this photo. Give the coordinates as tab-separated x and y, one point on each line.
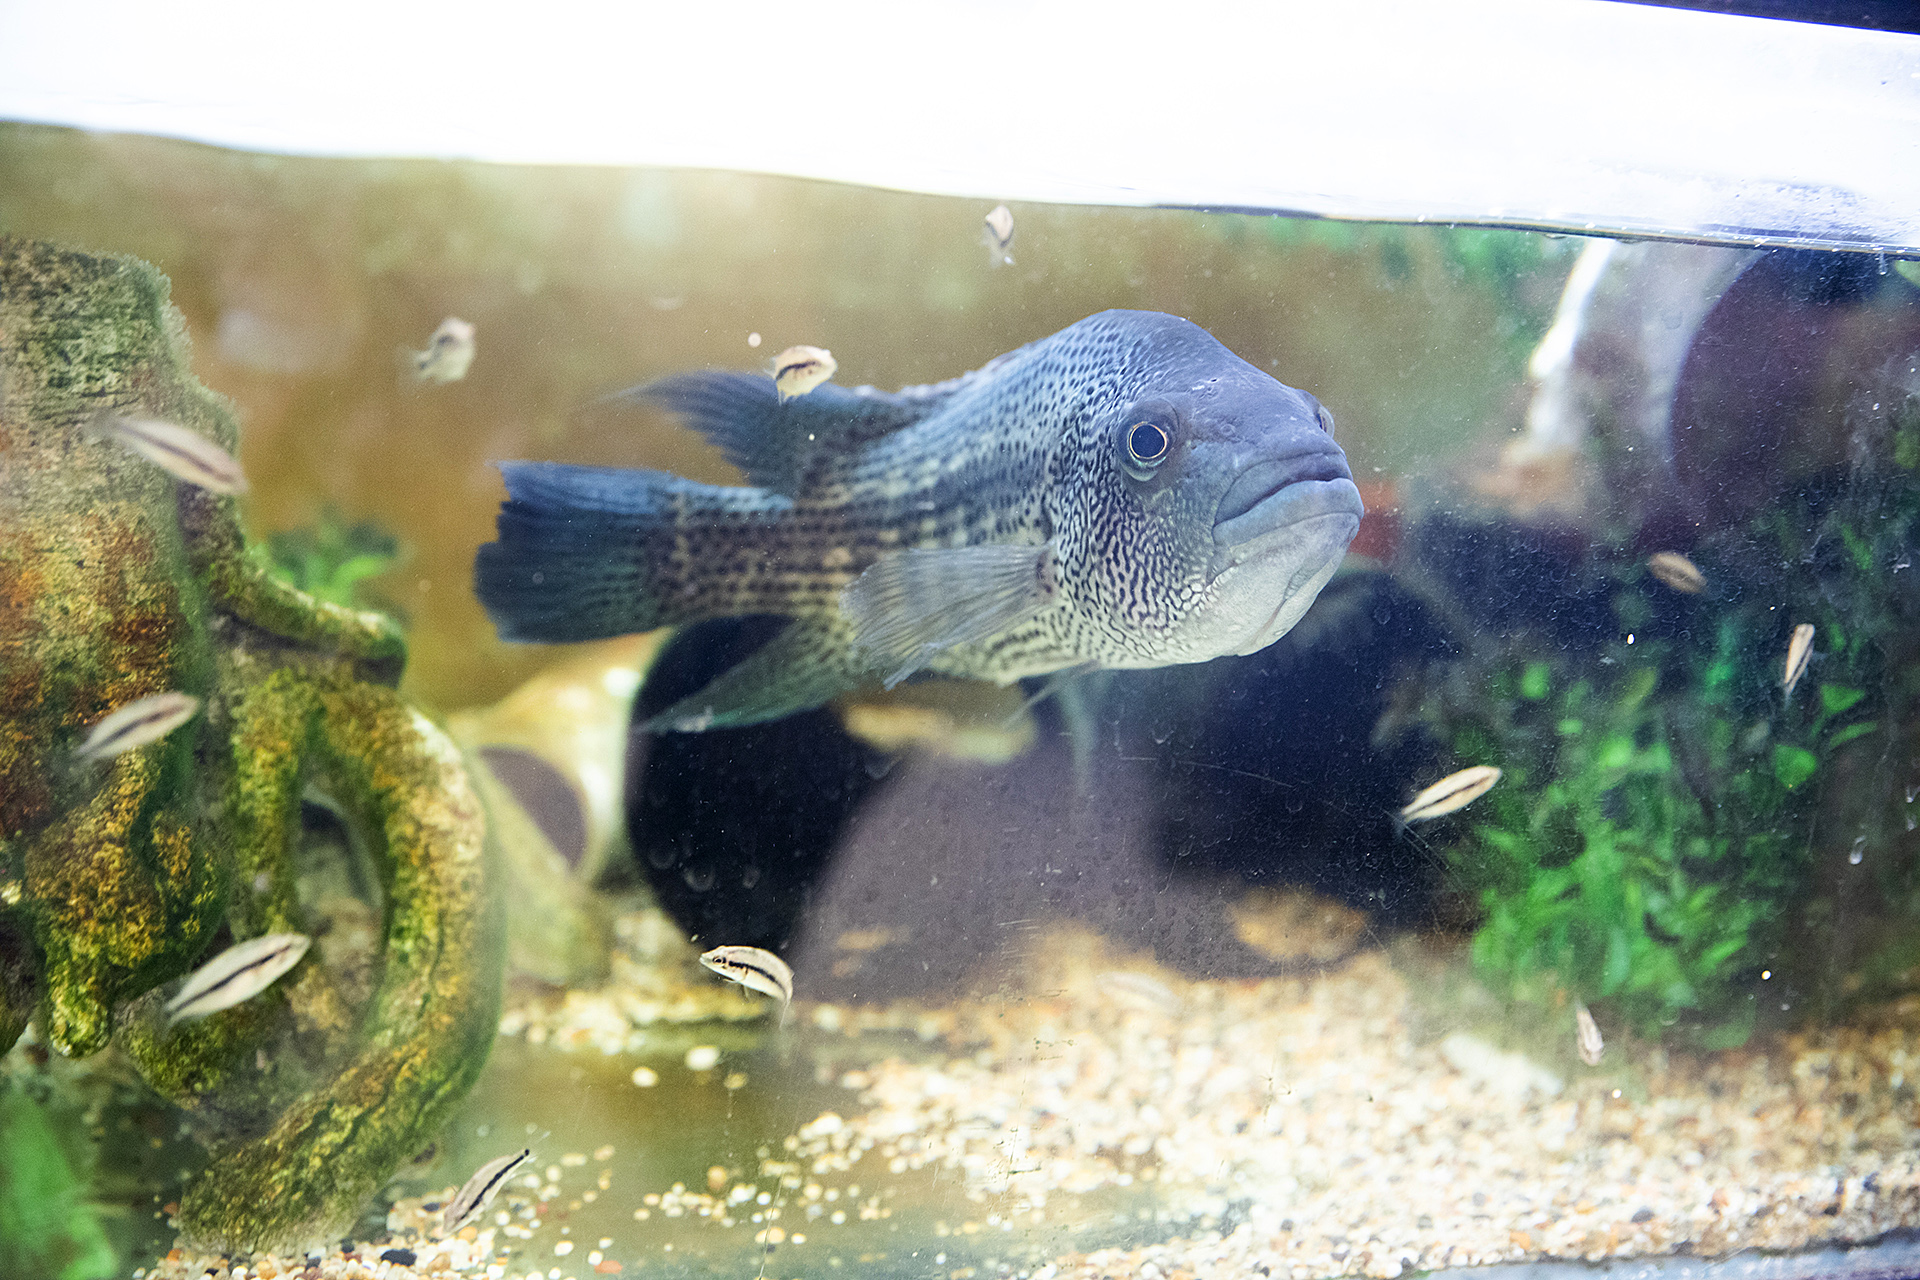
582	551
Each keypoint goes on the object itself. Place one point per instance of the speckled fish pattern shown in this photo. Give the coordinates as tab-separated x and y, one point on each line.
1085	565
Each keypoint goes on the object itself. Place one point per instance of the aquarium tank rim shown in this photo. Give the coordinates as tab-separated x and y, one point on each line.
1558	115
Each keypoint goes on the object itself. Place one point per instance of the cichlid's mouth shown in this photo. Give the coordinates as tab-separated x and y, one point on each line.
1269	496
1284	525
1263	480
1290	561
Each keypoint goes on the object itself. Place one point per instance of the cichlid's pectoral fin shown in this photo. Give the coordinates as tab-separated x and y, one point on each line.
808	663
909	605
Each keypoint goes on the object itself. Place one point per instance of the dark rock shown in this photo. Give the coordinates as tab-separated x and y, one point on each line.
731	827
1150	800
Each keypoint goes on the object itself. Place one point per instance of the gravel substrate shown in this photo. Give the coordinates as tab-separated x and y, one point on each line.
498	1244
1308	1110
1313	1125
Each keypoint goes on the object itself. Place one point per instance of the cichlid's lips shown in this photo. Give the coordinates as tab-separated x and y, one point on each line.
1273	494
1286	523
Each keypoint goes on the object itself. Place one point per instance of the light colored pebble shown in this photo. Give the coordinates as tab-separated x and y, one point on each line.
1512	1074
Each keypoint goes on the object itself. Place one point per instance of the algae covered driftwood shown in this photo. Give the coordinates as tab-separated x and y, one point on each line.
119	876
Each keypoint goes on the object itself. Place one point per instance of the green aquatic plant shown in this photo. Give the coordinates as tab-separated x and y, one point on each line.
1677	828
1651	835
330	560
47	1226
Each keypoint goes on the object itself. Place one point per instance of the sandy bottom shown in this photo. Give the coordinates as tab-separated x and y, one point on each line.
1314	1125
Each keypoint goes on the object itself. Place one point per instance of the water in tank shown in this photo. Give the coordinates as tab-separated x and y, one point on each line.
578	721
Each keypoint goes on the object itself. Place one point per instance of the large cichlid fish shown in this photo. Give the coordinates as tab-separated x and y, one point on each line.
1125	493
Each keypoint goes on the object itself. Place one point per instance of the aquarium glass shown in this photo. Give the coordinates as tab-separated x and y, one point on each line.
1548	892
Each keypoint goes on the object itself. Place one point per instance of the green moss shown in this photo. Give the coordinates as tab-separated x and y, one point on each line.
116	581
97	607
371	641
115	905
432	1018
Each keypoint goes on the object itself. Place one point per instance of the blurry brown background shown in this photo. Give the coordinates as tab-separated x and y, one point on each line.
302	279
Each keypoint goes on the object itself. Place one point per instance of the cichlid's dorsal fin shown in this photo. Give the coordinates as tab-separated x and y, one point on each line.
773	442
909	605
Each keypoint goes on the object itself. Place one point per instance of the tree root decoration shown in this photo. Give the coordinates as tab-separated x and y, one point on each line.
118	877
433	1015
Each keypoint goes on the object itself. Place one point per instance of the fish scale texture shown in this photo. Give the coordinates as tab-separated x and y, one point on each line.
1020	453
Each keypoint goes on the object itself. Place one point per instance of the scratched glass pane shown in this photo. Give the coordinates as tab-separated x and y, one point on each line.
1354	750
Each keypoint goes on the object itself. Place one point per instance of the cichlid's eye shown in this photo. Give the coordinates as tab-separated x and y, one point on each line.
1326	418
1146	445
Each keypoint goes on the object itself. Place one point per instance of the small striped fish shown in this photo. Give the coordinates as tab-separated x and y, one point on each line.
185	455
1799	653
1586	1035
449	353
756	970
236	975
140	722
1455	791
999	235
798	370
1678	572
480	1189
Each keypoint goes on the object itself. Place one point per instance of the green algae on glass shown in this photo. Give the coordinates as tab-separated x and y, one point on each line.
1510	267
47	1228
118	877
